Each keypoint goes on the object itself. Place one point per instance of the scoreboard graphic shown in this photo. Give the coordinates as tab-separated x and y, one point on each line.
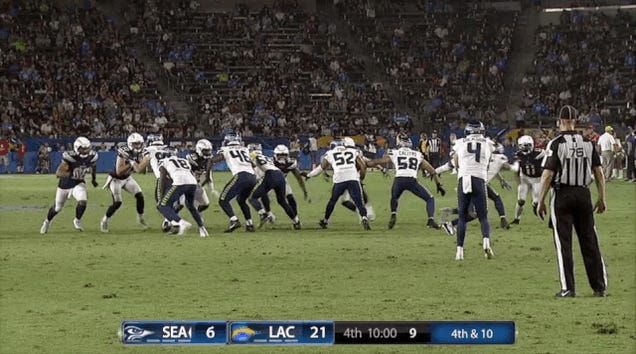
247	332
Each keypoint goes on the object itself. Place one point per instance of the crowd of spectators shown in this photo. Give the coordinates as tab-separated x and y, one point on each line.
276	72
448	58
67	71
586	60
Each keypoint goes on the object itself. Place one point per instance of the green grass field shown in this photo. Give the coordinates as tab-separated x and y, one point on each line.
67	292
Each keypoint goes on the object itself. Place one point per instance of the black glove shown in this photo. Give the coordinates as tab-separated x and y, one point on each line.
505	185
440	189
304	174
94	182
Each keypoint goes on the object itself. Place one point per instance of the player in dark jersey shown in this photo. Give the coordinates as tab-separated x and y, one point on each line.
288	164
529	163
128	161
72	171
200	161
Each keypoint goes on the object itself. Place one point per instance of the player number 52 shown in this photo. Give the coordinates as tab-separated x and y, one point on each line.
315	331
210	333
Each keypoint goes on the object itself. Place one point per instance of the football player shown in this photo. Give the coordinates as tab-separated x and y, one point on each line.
346	162
200	161
529	160
128	158
72	171
407	162
182	183
472	155
286	163
272	179
237	158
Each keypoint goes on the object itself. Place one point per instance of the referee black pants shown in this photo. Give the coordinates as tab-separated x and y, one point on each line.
572	207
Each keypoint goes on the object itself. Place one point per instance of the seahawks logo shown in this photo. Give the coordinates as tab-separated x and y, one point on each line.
135	334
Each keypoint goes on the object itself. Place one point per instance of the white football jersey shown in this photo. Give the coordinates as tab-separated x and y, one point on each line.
343	161
261	163
179	170
406	161
156	153
473	155
496	163
237	159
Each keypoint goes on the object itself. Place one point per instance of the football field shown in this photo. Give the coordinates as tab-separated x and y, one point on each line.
68	291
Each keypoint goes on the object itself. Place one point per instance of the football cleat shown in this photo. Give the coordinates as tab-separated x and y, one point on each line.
77	224
142	222
45	227
515	222
459	255
365	223
233	226
263	220
432	224
392	221
250	228
203	232
103	226
565	293
504	224
297	225
183	227
488	253
600	293
449	228
165	225
323	223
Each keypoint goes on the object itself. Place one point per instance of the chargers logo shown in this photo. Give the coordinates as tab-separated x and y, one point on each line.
135	334
242	334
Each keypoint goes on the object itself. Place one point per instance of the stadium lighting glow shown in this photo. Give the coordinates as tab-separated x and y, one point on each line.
595	8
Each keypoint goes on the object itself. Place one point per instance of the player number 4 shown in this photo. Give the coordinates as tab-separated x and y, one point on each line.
476	150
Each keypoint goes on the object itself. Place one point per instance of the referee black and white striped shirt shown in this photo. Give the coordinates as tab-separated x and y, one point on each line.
434	145
571	157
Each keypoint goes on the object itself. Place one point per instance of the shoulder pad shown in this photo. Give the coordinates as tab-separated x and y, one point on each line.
93	157
68	156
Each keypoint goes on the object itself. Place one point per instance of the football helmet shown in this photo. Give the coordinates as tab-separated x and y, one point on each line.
135	142
474	127
335	143
154	139
232	139
404	143
82	146
254	147
204	148
348	142
525	143
281	152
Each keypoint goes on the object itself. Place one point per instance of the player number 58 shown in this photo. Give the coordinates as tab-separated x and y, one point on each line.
210	333
315	330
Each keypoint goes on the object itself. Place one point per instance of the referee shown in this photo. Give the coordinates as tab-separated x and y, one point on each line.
434	149
568	166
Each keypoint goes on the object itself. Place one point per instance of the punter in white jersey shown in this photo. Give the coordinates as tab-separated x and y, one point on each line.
472	155
407	162
128	159
182	183
271	178
237	158
346	162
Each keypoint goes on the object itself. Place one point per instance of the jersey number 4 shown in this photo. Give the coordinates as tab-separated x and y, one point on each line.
476	150
347	159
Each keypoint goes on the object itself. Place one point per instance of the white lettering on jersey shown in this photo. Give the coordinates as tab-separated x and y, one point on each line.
262	163
343	162
156	153
496	163
237	159
406	161
473	156
179	170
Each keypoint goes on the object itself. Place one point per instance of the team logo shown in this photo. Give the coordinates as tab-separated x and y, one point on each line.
135	334
242	334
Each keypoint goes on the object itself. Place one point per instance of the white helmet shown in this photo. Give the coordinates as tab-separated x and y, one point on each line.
204	148
348	142
281	150
82	146
525	143
155	139
135	142
254	147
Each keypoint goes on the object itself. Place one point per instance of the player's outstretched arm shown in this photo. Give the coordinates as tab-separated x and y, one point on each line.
316	171
301	183
382	160
63	170
425	166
